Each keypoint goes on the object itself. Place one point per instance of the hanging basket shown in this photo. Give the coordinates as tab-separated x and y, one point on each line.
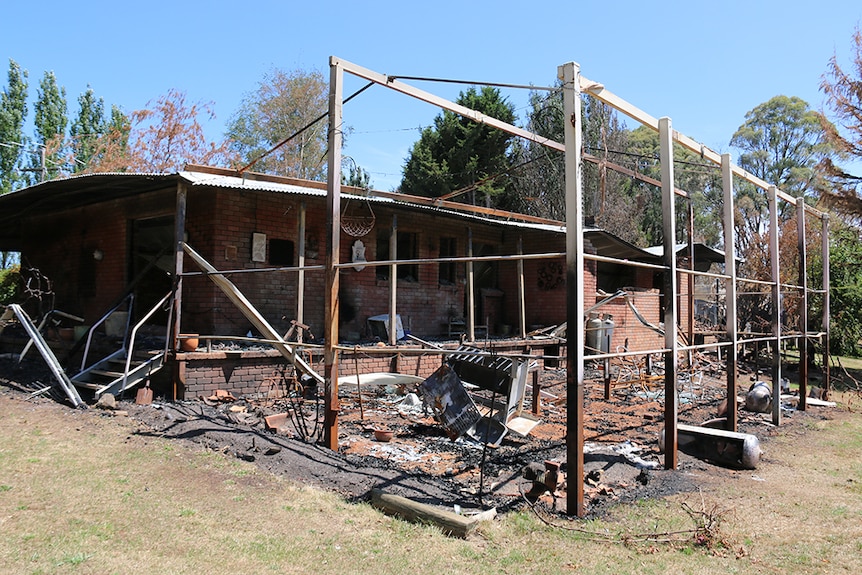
355	224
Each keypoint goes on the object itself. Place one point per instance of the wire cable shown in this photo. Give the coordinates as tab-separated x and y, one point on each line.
301	130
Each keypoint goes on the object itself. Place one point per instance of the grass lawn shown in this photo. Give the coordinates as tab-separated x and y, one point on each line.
82	492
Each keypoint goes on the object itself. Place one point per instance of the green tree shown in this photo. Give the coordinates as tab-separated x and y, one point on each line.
458	153
97	144
782	142
10	283
699	179
284	104
120	125
50	127
13	112
540	176
86	130
646	215
537	182
843	92
845	290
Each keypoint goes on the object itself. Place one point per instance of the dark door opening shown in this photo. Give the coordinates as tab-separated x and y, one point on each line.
151	243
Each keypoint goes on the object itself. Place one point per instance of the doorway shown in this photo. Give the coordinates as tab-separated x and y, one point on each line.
151	263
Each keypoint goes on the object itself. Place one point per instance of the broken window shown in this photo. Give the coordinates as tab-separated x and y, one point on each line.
446	270
281	252
612	276
408	249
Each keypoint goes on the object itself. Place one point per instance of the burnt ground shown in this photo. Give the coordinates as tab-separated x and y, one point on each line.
623	462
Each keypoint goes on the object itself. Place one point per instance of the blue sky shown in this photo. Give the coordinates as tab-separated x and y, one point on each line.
703	64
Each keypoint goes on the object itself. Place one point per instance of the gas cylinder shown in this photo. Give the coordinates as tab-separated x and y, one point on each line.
594	328
607	333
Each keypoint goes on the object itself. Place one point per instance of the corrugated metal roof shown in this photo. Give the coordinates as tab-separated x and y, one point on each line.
701	252
609	245
70	193
236	182
82	190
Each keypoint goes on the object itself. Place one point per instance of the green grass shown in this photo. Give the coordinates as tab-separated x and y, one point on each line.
154	507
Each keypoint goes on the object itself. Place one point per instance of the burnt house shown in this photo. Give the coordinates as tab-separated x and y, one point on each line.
99	238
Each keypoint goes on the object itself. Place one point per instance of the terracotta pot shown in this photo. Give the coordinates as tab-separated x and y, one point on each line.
189	341
383	435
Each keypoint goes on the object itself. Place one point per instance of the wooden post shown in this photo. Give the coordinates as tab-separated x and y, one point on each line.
393	280
410	510
471	296
300	276
803	305
537	391
569	74
827	383
179	239
522	310
669	294
333	252
772	193
730	291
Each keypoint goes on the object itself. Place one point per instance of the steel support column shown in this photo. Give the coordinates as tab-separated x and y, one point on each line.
827	381
300	276
569	74
333	252
772	192
522	311
471	295
393	281
690	285
803	305
669	295
732	361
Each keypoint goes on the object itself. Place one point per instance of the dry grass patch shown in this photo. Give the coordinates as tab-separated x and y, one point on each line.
81	492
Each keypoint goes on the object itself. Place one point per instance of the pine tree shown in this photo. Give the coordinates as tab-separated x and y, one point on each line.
458	153
86	130
13	112
50	124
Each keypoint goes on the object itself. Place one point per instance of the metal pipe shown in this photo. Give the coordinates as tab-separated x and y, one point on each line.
133	336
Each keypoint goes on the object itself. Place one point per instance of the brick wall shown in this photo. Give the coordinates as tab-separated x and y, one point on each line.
62	248
220	227
259	373
220	224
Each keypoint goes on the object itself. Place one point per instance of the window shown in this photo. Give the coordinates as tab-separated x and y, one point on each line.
612	276
446	270
408	249
281	252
